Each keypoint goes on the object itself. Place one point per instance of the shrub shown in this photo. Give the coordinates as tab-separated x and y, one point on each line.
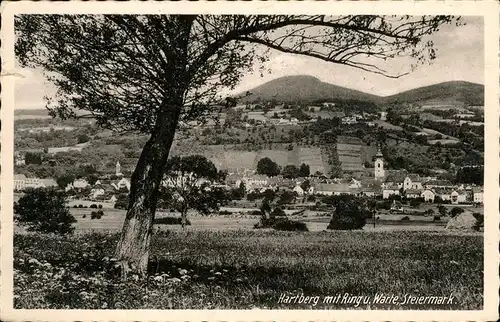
256	213
437	218
44	210
80	206
290	225
479	221
121	202
405	218
100	206
415	203
347	216
84	216
75	206
280	223
93	205
455	211
442	210
170	221
429	212
277	212
225	213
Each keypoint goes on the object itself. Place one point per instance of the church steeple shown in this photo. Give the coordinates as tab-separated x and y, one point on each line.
118	169
379	165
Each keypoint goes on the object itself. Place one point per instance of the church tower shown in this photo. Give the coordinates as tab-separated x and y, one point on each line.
379	165
118	169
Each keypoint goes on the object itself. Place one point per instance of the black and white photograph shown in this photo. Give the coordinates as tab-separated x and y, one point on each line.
324	161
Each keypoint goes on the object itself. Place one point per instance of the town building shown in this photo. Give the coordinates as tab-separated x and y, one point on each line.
390	190
123	183
432	184
412	181
429	195
21	182
477	194
333	189
413	193
458	196
383	116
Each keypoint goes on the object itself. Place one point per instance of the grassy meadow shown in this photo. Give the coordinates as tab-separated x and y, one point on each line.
242	269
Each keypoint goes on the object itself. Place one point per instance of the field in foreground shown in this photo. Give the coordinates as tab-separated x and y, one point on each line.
246	269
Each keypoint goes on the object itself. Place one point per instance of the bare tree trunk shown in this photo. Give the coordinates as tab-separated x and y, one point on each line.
133	248
183	219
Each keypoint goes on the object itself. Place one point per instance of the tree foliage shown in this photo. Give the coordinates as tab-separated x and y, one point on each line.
268	167
115	66
44	210
155	74
188	185
348	215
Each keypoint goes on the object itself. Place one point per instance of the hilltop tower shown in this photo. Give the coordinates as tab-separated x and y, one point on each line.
118	169
379	165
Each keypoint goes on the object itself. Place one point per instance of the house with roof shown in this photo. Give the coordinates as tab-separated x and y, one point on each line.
477	194
96	191
432	184
458	196
298	189
429	195
48	183
395	178
353	184
349	120
368	191
412	181
390	190
80	183
32	183
413	193
444	193
19	181
333	189
123	183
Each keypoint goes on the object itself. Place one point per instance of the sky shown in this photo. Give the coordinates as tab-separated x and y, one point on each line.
460	56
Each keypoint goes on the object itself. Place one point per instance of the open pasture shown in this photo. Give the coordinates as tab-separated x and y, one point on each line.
243	269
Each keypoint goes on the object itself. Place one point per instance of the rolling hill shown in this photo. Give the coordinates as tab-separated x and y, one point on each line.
448	93
306	89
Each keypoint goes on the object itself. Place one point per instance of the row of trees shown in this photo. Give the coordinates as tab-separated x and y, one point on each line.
268	167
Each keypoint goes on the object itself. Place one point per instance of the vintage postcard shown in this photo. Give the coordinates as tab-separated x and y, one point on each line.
236	161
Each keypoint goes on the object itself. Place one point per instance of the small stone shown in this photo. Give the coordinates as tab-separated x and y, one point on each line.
211	278
218	273
183	271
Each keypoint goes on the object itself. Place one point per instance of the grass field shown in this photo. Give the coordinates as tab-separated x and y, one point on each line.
316	221
248	268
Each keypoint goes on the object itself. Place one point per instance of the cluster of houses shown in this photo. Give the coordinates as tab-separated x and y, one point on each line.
21	182
384	183
104	189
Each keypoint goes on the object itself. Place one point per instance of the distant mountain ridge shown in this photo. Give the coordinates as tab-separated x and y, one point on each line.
307	89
